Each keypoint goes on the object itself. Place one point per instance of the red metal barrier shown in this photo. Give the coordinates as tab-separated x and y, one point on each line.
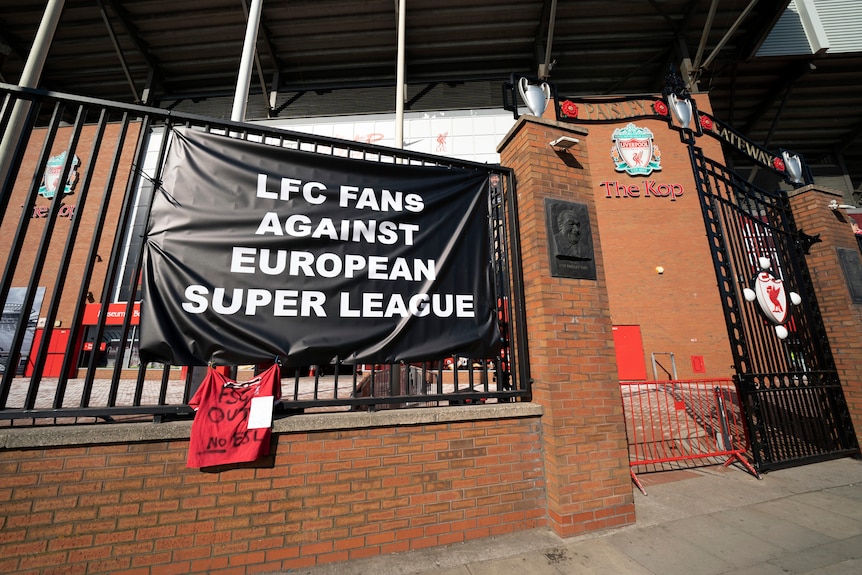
673	421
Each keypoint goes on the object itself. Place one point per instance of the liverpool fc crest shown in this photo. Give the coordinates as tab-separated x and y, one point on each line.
53	171
634	151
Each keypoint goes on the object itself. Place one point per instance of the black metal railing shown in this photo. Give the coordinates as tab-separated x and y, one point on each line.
72	263
787	380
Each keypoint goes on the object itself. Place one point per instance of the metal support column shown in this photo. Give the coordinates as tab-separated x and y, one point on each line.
243	79
399	76
29	79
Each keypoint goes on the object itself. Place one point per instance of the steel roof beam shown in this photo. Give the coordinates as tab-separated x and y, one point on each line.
663	13
851	135
139	44
755	38
707	28
729	34
545	67
677	45
426	90
118	49
13	46
664	54
266	36
793	73
268	99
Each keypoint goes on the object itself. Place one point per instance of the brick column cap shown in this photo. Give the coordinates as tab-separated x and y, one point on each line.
523	120
815	188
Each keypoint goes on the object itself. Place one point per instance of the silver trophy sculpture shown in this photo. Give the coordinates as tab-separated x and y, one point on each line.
793	165
681	111
536	97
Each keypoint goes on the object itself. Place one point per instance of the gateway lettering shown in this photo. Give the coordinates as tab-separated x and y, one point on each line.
748	148
614	110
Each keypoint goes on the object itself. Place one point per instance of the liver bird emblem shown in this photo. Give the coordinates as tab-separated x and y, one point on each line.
774	296
770	294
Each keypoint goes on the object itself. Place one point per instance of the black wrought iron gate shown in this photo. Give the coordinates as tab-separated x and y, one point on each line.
793	402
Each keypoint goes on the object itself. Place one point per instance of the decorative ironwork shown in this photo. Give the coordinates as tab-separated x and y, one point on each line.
677	107
805	241
675	85
789	388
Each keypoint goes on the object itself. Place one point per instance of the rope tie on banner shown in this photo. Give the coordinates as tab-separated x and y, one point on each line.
157	184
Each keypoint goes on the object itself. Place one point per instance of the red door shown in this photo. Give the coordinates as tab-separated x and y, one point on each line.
630	352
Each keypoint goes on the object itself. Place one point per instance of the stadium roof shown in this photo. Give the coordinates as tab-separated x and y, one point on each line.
329	57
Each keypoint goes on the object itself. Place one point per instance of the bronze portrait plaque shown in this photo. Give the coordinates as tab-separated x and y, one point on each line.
570	240
852	268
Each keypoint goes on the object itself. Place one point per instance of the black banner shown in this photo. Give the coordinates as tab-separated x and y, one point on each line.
255	252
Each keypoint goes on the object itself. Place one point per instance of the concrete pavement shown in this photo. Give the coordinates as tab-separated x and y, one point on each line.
706	521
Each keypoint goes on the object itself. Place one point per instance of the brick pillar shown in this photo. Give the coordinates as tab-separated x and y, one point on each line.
570	340
841	315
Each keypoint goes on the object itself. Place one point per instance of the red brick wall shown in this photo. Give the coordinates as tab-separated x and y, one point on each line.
322	497
572	356
75	206
678	311
86	212
841	316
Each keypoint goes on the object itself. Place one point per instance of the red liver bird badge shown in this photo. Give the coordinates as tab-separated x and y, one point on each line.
771	296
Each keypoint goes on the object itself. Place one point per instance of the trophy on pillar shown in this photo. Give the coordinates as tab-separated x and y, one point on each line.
681	110
535	96
535	93
793	165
